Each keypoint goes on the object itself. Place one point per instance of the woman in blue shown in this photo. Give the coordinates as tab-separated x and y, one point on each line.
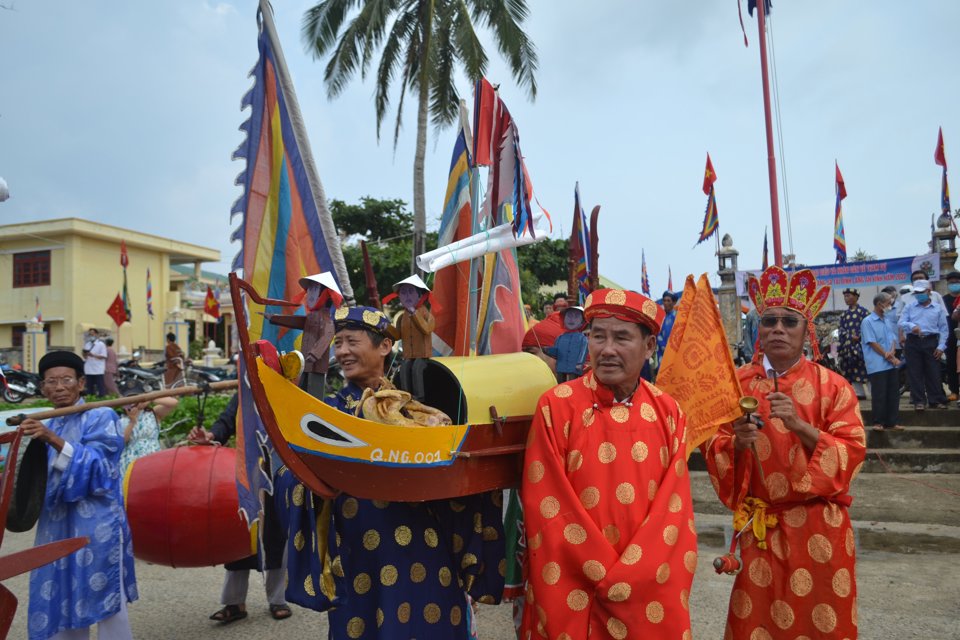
92	585
387	569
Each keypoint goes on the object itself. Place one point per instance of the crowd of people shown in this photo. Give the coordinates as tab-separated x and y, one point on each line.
608	524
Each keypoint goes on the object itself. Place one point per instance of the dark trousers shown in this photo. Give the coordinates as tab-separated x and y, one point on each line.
95	386
953	378
885	397
923	371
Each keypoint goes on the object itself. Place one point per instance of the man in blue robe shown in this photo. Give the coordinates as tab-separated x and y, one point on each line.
668	302
387	569
84	498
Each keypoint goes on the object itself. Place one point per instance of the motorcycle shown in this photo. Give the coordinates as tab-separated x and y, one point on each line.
19	384
132	378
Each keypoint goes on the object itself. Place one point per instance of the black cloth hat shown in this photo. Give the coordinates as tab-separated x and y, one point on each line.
61	359
953	275
852	291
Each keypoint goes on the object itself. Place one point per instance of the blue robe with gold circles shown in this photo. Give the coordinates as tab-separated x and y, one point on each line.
391	569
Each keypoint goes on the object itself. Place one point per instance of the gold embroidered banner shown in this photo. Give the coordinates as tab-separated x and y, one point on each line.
697	368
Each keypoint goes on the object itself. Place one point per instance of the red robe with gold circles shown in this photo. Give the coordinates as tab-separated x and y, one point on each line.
611	544
803	584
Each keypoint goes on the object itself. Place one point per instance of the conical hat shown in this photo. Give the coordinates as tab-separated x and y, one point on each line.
415	281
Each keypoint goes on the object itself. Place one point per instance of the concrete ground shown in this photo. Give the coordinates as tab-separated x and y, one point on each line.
902	596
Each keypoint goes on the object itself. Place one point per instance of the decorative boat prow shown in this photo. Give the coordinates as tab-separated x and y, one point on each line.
490	399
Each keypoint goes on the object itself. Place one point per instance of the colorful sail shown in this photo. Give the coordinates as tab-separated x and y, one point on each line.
501	321
580	247
454	287
286	230
710	220
839	239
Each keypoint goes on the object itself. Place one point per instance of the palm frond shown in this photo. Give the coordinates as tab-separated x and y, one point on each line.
504	17
390	60
444	99
322	22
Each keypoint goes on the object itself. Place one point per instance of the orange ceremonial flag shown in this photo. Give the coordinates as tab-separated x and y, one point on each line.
697	369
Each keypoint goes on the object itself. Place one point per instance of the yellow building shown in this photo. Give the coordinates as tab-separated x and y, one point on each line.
69	269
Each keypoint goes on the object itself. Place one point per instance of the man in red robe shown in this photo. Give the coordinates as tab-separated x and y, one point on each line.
611	544
789	494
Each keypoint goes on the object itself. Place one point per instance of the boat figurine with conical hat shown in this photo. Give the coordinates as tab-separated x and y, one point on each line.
490	400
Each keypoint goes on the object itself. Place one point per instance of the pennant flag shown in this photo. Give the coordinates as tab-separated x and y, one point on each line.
669	279
710	220
940	157
839	240
38	315
116	311
124	262
211	305
644	280
149	295
766	255
454	304
580	247
697	368
286	231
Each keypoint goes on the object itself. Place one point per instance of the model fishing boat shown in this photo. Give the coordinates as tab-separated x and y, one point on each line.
490	400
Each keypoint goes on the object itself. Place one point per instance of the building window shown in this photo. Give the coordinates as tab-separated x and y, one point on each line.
31	269
18	331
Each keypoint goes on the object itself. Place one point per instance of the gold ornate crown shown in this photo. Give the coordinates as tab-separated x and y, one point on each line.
797	291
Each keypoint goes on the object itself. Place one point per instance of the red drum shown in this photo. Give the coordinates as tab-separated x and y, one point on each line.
183	508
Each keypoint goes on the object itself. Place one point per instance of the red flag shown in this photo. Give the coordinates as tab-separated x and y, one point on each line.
124	260
117	312
484	99
211	306
709	176
841	188
940	156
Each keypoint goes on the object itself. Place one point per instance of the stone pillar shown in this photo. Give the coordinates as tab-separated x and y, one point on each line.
727	295
176	325
944	243
34	345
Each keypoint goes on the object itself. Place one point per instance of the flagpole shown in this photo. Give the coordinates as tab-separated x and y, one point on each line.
768	119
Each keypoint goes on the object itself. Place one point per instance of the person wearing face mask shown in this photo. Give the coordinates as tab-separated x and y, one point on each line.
879	344
925	326
906	295
321	297
952	302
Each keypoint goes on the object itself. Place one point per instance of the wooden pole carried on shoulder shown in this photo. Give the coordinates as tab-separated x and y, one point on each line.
225	385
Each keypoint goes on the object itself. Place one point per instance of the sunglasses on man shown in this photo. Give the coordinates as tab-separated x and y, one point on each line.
789	322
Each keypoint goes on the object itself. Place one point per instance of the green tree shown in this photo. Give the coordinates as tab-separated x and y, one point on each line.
387	227
424	41
862	256
541	263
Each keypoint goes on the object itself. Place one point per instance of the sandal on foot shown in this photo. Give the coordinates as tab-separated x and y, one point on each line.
230	613
280	611
878	427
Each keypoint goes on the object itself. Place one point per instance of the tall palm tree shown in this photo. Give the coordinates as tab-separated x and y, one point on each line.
424	41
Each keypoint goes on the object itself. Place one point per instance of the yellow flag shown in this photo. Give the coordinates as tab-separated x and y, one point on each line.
697	368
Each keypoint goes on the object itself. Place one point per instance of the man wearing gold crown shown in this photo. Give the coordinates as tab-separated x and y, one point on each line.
790	499
611	544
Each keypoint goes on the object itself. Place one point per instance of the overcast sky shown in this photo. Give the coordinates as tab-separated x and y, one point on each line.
127	112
